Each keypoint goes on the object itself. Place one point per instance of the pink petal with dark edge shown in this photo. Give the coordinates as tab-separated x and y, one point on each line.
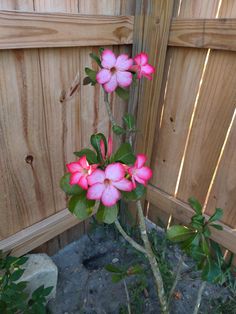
140	160
98	176
103	76
110	196
124	78
83	162
144	173
95	191
75	177
74	167
115	172
123	185
123	63
111	85
108	59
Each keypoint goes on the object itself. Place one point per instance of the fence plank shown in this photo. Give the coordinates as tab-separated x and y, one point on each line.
183	72
34	30
183	212
157	19
203	33
37	234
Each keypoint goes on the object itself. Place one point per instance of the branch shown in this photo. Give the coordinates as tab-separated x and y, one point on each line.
152	260
199	297
127	296
178	272
110	115
128	238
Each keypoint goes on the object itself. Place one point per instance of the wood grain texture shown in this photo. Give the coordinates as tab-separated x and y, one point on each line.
203	33
34	30
223	193
154	37
26	240
183	212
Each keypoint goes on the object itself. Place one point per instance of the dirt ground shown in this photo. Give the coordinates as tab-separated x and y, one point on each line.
85	287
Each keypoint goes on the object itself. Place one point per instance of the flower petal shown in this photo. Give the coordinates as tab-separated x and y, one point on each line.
115	172
83	162
123	185
75	177
111	85
110	196
123	62
148	69
140	160
103	76
74	167
108	59
124	78
95	191
83	182
141	58
139	180
98	176
144	173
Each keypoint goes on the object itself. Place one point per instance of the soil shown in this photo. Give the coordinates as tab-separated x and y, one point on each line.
85	287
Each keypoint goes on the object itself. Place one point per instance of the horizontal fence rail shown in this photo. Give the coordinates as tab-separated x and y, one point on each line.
35	30
39	30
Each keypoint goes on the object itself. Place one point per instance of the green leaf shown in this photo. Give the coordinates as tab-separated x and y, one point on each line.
136	194
211	271
16	274
90	155
118	130
205	246
129	120
179	233
47	291
80	206
21	261
194	203
38	292
107	214
125	154
95	141
95	58
70	189
113	269
100	50
87	80
117	277
216	216
218	227
91	74
122	93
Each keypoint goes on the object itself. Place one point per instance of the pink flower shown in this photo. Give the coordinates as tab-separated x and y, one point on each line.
79	172
139	172
115	71
105	185
142	67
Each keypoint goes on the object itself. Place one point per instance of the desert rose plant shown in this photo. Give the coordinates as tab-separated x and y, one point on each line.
100	177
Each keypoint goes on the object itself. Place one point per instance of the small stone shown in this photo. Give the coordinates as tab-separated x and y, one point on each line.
40	270
115	260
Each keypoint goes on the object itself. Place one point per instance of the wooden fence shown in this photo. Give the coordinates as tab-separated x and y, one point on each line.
186	114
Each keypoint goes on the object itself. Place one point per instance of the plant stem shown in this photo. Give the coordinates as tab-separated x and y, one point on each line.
134	244
127	296
110	115
199	297
152	260
178	272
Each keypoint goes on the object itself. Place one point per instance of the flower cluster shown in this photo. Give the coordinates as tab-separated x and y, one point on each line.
105	182
118	71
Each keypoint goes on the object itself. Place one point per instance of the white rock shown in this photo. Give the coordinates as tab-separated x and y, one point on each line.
40	270
115	260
